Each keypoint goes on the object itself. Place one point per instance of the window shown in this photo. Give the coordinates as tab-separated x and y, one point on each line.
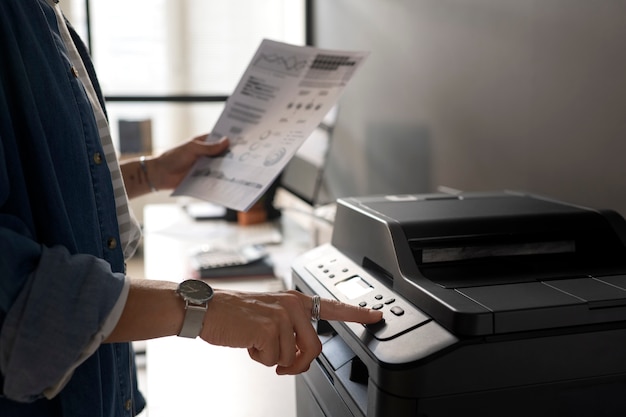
173	63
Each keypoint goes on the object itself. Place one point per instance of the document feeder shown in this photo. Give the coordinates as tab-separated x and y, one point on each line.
494	304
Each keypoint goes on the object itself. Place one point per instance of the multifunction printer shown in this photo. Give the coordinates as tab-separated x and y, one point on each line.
494	304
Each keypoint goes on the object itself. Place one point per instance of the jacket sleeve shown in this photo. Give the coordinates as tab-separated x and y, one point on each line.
55	315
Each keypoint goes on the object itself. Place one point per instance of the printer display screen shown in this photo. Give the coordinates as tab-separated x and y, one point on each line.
354	287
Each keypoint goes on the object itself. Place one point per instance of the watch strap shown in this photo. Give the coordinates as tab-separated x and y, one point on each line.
194	317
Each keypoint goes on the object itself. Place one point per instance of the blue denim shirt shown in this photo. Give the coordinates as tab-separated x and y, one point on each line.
61	272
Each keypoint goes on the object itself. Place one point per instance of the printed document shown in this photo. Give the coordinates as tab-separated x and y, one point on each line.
282	97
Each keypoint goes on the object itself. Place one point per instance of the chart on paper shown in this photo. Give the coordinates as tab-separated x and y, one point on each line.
282	97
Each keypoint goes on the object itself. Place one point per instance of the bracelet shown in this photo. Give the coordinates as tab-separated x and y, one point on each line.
142	163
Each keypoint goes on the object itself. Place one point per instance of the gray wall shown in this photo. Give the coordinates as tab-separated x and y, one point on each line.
482	95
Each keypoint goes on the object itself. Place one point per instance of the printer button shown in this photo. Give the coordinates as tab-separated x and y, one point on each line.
363	304
378	297
377	306
398	311
390	301
376	327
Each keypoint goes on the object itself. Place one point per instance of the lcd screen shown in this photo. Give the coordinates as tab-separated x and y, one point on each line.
354	287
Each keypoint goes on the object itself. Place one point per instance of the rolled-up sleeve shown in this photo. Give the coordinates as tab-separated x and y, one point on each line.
66	308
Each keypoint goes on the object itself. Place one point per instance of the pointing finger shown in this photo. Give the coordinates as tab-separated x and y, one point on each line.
336	310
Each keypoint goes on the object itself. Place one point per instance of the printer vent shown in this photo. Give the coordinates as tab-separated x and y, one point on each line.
468	261
482	250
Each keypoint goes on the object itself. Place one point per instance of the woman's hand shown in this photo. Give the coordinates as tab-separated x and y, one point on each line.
170	167
275	327
166	171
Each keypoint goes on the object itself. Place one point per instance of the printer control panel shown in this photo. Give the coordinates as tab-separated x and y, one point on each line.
351	284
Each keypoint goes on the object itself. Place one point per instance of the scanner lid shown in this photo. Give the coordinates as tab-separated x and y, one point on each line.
508	254
441	215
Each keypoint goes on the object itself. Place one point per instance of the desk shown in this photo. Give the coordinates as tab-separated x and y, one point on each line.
191	377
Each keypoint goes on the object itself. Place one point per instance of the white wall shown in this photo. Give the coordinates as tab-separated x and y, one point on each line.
485	94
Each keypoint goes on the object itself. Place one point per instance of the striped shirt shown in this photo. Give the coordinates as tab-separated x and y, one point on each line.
130	231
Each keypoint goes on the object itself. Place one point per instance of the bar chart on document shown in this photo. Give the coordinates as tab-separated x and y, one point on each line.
282	97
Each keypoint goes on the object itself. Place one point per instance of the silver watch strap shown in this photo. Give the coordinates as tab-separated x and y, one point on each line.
194	316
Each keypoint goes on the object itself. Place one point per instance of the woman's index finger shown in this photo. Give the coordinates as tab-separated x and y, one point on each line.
336	310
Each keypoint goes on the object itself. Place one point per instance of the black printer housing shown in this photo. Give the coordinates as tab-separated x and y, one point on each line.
509	304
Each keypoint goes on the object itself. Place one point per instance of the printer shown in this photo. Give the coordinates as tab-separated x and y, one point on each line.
494	304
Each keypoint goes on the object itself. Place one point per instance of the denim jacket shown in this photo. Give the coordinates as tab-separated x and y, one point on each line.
61	272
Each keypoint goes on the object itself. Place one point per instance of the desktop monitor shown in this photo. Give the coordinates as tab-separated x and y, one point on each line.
304	175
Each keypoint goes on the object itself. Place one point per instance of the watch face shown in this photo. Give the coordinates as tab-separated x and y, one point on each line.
195	291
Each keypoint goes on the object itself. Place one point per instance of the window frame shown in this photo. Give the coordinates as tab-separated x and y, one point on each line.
183	98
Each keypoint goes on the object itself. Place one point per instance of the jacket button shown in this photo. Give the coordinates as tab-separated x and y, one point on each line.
112	243
128	404
97	158
74	71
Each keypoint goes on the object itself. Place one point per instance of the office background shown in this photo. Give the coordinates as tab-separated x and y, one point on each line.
166	68
472	95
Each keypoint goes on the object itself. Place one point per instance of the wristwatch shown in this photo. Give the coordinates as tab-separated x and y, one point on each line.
197	295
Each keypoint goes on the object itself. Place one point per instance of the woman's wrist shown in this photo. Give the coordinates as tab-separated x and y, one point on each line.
143	163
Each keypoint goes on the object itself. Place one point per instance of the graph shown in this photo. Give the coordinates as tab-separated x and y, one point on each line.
290	65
